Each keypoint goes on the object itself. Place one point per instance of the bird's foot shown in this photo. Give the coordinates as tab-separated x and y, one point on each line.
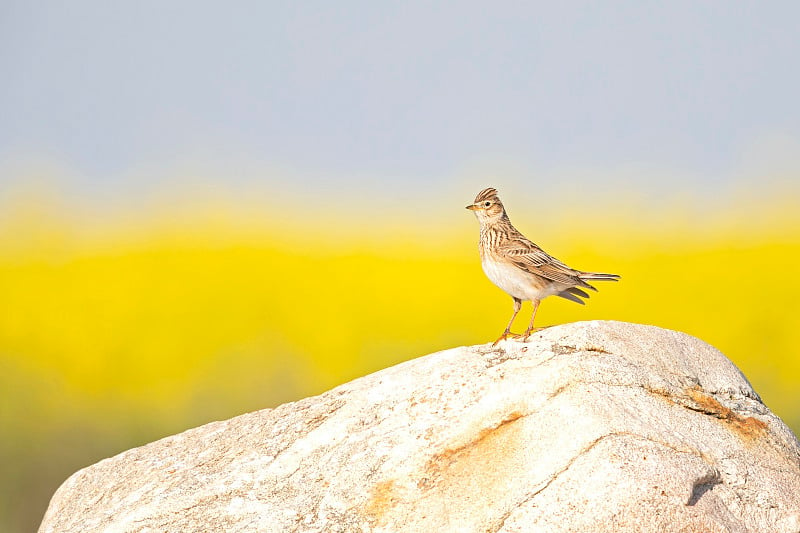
506	335
529	331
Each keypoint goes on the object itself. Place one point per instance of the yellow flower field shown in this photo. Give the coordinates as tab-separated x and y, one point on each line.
117	332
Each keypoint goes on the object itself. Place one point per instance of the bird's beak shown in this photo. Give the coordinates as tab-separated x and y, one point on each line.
473	207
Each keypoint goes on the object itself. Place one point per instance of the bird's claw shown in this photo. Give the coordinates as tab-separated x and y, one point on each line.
505	335
523	337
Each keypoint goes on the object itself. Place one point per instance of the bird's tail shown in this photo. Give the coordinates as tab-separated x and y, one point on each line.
575	294
598	276
595	276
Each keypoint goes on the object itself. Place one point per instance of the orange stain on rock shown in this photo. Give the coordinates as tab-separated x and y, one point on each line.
382	500
749	428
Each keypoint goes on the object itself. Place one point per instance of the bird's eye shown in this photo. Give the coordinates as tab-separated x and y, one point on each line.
487	204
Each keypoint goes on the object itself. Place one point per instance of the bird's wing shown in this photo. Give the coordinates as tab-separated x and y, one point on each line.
529	257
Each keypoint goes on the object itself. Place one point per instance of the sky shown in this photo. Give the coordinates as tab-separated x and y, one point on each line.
388	97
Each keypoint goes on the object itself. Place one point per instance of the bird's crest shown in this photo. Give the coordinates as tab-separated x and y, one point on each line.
487	194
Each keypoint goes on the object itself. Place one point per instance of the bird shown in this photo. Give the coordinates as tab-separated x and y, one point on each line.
521	268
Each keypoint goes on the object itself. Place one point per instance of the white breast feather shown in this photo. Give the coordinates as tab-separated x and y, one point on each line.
516	282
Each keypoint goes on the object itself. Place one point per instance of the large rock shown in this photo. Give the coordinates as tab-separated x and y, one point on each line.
594	426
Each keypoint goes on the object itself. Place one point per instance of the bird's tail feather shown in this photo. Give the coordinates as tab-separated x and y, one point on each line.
577	292
583	276
598	276
574	294
569	296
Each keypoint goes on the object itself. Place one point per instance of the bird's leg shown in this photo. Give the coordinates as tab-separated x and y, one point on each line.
530	326
507	332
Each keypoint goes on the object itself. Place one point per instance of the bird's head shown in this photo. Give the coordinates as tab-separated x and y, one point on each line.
487	206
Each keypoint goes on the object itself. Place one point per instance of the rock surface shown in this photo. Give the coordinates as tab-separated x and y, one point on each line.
592	426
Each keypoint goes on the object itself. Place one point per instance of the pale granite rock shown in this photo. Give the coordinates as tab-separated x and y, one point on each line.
592	426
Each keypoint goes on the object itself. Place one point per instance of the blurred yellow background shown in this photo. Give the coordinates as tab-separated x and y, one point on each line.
118	331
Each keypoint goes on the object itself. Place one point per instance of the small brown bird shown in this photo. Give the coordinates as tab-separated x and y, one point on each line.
519	267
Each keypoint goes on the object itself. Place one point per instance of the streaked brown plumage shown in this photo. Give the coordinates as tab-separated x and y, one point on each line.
520	267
